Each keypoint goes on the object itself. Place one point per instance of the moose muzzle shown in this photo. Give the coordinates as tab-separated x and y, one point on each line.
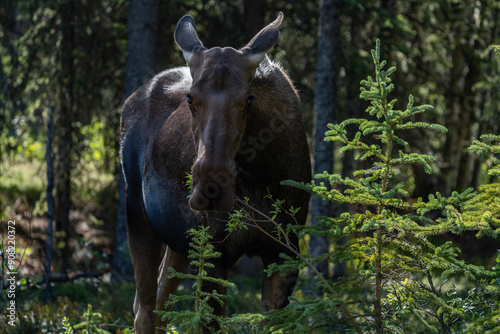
213	186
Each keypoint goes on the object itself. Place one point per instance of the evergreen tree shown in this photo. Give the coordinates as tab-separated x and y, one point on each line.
400	268
192	321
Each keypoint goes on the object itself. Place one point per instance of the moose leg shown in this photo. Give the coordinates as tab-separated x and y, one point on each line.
276	288
145	252
167	286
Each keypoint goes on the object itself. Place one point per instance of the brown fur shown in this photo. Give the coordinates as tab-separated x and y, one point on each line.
236	150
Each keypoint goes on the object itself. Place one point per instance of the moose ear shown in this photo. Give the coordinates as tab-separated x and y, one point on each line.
186	37
266	38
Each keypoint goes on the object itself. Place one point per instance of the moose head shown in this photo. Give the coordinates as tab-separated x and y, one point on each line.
220	100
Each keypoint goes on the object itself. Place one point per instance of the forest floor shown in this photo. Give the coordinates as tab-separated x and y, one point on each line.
90	236
89	254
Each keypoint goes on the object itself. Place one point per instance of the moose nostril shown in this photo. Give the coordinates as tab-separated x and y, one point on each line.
213	185
197	202
223	178
210	197
211	190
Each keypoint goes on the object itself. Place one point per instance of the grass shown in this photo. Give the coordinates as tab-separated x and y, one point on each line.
21	180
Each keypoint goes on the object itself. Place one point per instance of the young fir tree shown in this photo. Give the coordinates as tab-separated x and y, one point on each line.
402	272
91	325
201	316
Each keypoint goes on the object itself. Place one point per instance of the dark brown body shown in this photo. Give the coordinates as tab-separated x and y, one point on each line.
163	135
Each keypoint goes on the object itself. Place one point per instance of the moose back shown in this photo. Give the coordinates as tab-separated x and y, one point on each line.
232	119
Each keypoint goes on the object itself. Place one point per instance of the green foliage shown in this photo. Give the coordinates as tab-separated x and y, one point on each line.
496	48
405	274
21	181
71	302
91	323
32	74
490	144
67	326
189	182
497	268
43	317
484	208
195	312
192	321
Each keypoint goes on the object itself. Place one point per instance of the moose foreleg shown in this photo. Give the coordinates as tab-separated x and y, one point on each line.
145	252
167	286
276	289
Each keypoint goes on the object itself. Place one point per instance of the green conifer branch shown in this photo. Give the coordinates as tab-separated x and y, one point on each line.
192	321
400	245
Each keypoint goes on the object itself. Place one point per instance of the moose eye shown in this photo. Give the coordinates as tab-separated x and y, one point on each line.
189	101
249	100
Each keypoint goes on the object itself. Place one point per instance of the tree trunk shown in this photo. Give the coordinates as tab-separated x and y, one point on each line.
324	113
65	130
461	104
453	144
139	68
141	47
50	205
471	117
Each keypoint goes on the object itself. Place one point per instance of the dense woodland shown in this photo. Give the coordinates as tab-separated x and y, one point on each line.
74	63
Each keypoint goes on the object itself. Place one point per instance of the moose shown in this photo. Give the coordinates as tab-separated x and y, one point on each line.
231	119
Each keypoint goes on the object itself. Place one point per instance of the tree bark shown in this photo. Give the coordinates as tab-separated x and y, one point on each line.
470	117
324	113
453	144
141	47
65	130
50	204
139	68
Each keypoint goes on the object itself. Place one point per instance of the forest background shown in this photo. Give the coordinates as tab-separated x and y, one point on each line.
76	61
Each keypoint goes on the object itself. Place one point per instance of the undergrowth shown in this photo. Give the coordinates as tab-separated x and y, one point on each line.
71	301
